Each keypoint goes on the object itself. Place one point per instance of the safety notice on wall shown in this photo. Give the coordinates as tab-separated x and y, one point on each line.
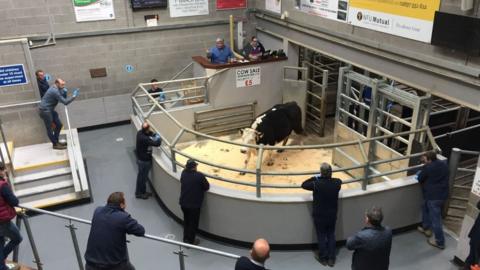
248	76
12	75
476	182
183	8
329	9
93	10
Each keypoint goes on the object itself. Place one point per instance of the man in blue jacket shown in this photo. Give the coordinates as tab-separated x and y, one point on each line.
325	203
259	253
193	188
372	244
433	179
42	82
221	53
107	242
146	139
55	94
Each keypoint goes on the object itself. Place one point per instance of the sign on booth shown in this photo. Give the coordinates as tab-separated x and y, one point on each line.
246	77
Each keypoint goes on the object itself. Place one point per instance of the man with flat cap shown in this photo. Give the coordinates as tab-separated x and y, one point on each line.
259	253
193	187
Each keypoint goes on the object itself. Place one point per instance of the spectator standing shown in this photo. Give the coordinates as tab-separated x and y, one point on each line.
55	94
8	229
42	82
259	253
325	204
221	53
156	91
146	139
474	235
193	188
372	244
107	242
433	179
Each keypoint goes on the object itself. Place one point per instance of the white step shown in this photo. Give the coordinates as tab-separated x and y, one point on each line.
38	157
41	175
57	200
44	188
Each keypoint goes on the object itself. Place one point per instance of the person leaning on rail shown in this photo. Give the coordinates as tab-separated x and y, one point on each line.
259	253
8	201
325	203
146	139
107	242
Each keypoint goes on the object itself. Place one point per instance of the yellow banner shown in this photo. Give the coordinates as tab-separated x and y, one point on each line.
418	9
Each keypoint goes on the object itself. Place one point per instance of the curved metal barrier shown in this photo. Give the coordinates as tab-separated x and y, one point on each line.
171	150
71	226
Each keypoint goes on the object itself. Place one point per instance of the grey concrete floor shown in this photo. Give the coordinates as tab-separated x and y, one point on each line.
111	167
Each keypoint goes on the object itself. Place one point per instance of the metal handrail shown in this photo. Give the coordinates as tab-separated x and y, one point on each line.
19	104
75	161
261	148
79	258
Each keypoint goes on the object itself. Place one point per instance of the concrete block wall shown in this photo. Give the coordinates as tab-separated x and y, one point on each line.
411	46
153	54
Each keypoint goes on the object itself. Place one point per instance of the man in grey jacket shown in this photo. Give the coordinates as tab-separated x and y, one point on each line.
372	244
56	93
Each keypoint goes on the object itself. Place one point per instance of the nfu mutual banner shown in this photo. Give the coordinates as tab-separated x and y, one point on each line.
411	19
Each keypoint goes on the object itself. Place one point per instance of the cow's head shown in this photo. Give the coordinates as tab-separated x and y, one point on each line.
249	136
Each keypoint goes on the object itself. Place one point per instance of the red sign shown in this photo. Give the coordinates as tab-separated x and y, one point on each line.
231	4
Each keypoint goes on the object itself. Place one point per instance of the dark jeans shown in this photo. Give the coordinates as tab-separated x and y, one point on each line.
10	231
191	216
326	237
473	256
432	219
50	117
122	266
142	176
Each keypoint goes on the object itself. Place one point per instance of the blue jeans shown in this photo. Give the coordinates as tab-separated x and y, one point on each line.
432	219
10	231
326	238
142	176
50	117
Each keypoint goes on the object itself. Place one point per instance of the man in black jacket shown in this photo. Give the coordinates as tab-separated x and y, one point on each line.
193	187
372	244
107	242
325	203
146	139
433	179
259	253
474	235
42	82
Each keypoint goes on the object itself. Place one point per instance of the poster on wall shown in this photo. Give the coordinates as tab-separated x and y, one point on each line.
231	4
406	18
182	8
93	10
12	75
273	6
329	9
476	182
246	77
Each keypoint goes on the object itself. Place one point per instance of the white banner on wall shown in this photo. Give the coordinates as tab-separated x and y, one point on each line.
476	181
330	9
93	10
246	77
273	6
184	8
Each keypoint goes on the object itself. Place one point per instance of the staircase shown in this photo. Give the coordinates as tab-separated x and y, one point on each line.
459	197
44	177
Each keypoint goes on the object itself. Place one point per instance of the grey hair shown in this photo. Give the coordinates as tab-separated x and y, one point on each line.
219	39
326	170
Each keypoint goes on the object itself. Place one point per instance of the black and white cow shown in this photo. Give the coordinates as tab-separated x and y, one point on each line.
272	127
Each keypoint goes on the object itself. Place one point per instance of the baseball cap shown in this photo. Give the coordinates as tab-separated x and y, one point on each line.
191	164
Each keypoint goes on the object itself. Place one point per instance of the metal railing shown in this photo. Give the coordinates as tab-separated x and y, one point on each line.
71	227
74	165
170	149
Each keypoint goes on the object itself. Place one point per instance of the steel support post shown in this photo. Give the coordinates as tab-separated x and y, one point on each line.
72	229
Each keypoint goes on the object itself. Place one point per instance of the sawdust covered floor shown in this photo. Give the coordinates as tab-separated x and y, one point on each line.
287	161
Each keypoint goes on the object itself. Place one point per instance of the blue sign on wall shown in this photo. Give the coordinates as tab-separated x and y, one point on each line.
129	68
12	75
